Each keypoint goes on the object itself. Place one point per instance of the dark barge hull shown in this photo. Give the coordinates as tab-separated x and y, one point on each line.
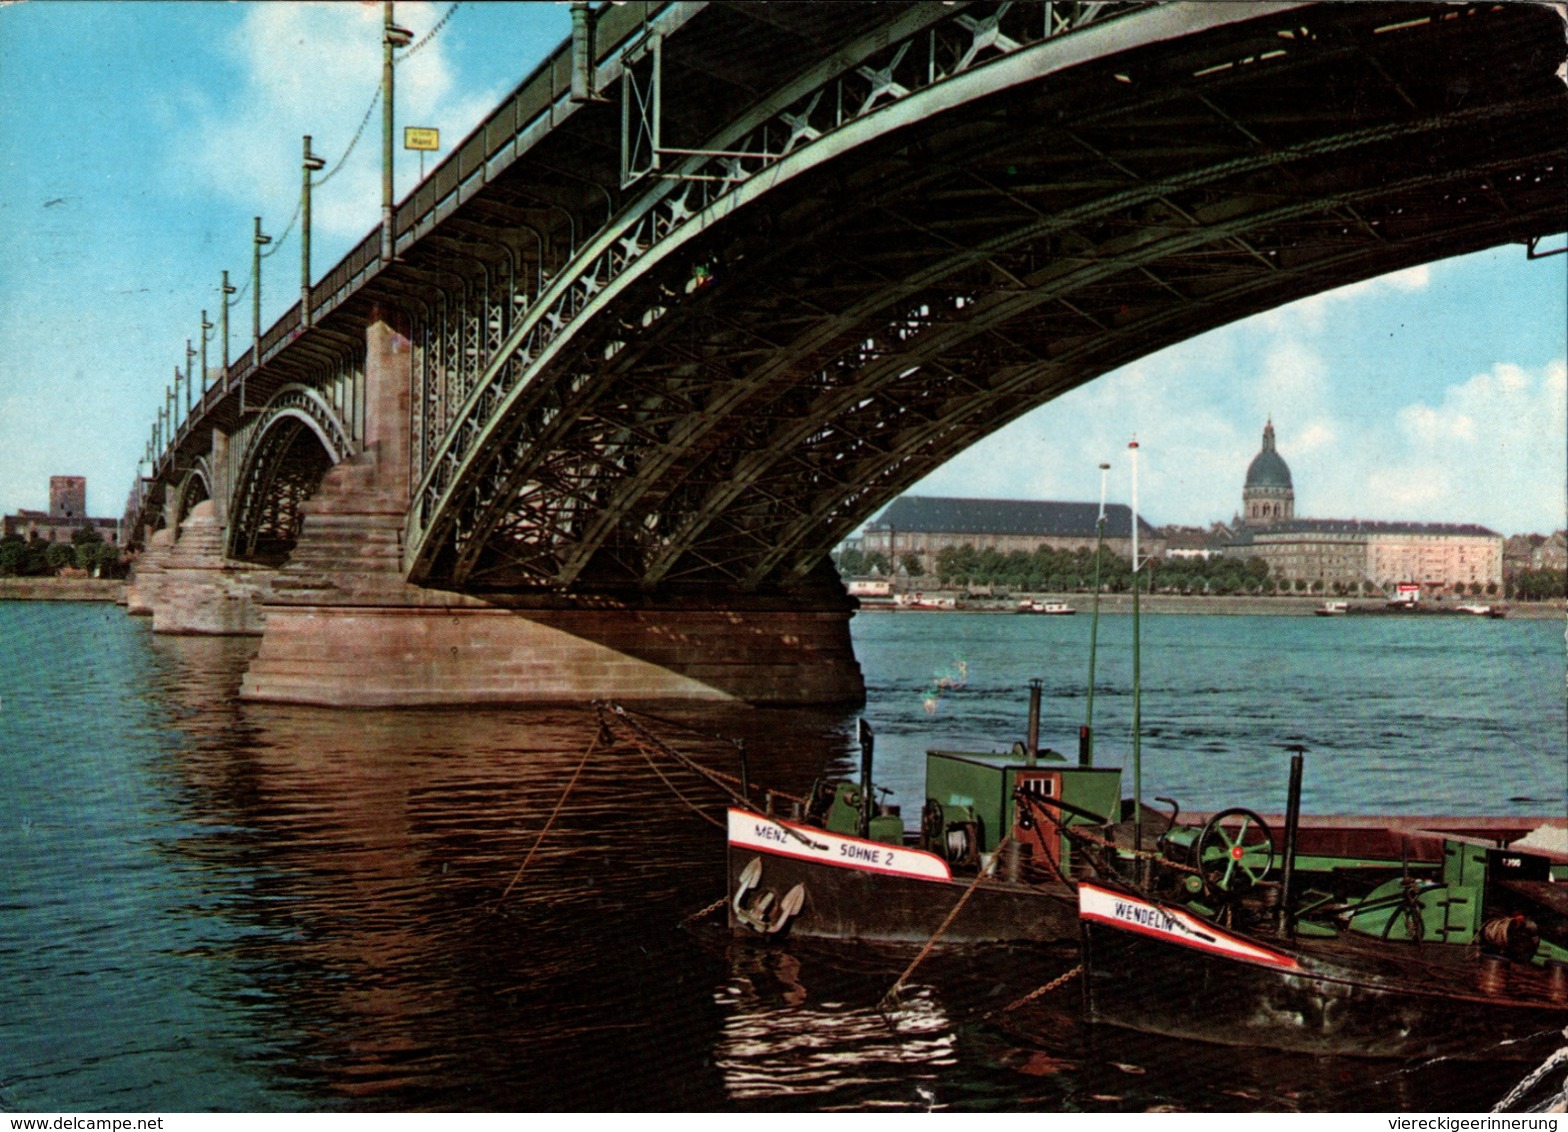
1355	1003
853	902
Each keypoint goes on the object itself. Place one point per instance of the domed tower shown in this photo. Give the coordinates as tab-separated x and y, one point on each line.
1268	496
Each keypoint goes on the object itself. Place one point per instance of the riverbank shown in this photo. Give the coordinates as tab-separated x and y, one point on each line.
62	589
1221	605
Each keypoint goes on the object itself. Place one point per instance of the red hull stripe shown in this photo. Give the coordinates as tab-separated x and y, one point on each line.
769	835
1173	926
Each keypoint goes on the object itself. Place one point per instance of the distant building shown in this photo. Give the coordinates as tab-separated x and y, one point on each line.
1442	558
1268	496
1195	542
926	525
1536	552
67	514
67	497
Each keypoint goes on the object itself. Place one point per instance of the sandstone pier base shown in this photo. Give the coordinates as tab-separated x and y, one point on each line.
344	629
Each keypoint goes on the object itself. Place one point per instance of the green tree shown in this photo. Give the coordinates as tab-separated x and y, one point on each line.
851	562
13	553
58	555
100	559
912	565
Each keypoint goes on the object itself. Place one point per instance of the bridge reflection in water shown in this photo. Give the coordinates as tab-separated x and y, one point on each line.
291	908
373	968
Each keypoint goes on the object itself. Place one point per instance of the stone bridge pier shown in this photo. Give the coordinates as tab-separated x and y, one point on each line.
344	628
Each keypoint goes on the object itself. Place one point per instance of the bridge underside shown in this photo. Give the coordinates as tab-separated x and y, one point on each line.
828	342
604	434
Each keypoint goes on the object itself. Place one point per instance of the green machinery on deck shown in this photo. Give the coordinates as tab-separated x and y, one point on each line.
971	803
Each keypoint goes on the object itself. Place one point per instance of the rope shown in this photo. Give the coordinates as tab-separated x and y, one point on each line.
692	806
627	713
892	994
1060	980
613	713
553	814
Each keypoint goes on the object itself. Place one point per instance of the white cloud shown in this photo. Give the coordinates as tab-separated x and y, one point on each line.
1311	314
314	69
1191	452
1492	449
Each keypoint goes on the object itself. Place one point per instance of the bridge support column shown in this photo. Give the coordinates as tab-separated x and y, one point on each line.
198	591
461	653
218	462
344	629
146	581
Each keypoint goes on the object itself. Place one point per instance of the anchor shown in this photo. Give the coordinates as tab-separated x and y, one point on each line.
755	913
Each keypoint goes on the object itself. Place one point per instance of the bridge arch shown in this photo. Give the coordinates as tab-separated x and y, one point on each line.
296	439
824	305
196	487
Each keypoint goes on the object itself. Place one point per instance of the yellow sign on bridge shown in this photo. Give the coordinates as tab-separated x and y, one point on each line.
421	137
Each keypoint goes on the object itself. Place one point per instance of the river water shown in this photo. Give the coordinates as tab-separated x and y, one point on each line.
212	905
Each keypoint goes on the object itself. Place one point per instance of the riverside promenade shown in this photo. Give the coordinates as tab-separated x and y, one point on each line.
63	589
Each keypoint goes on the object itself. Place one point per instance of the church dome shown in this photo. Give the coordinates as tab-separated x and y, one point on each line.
1268	467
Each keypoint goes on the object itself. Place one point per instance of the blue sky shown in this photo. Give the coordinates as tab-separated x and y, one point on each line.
137	141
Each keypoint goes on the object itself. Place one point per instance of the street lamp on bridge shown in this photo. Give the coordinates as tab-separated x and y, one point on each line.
223	317
190	373
311	164
205	336
392	38
257	243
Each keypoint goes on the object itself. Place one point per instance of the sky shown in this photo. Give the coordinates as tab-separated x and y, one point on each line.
138	140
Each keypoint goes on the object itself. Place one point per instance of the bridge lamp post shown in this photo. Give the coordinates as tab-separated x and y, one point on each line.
190	373
256	292
311	164
205	327
223	317
392	38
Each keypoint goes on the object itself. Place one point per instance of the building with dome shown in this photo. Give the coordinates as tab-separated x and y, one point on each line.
1268	497
1352	555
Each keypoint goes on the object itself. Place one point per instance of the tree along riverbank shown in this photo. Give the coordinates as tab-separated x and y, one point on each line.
1233	605
62	589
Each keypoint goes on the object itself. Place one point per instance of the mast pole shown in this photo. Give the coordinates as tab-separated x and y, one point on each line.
1137	686
1086	739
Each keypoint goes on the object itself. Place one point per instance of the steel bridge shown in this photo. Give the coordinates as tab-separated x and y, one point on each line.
683	328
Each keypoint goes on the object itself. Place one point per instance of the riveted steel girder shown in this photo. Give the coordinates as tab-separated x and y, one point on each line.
860	321
298	436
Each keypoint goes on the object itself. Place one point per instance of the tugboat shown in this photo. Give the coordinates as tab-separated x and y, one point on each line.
1363	937
844	868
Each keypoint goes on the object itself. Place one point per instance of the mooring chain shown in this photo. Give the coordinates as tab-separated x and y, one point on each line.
708	911
1060	980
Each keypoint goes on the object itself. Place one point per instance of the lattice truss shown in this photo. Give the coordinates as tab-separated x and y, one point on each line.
195	488
297	440
740	368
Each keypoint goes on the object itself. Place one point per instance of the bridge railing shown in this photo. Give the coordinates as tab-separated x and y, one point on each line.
525	116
